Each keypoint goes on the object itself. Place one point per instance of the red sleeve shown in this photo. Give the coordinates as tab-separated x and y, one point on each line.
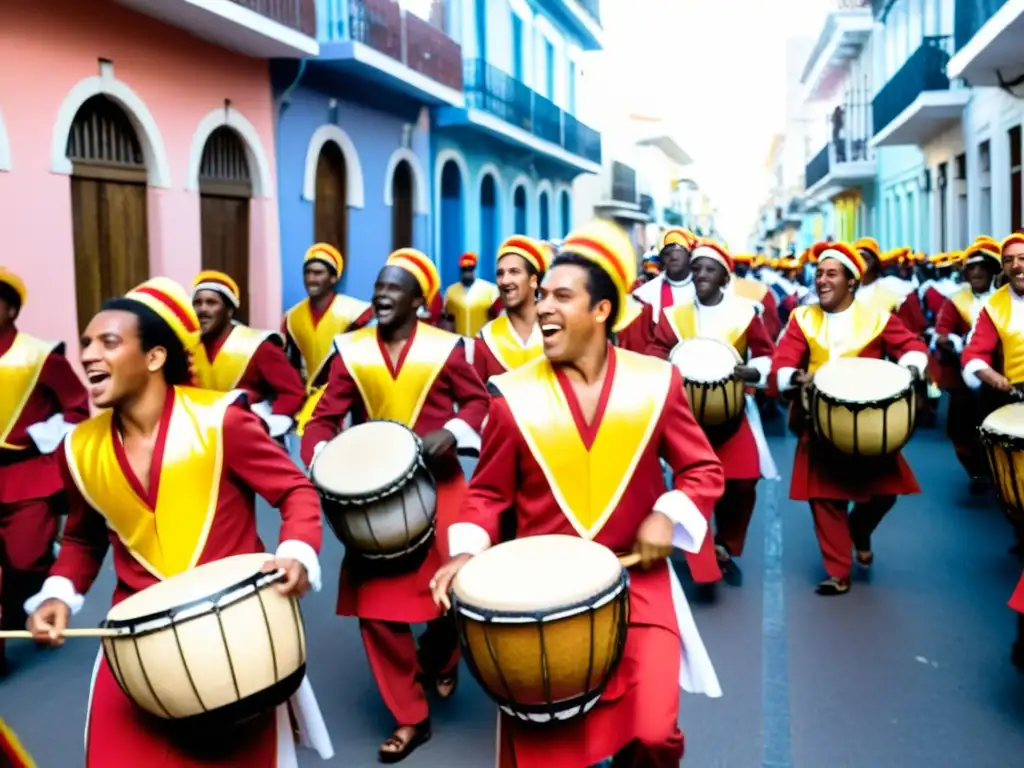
362	321
339	396
436	309
949	320
792	349
759	343
636	337
696	470
898	339
911	314
280	380
983	343
86	537
933	300
67	389
496	308
484	361
770	318
468	389
253	456
663	340
492	488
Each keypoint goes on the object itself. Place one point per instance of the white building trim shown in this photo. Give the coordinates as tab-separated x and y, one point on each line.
5	146
355	190
499	186
158	168
421	198
255	155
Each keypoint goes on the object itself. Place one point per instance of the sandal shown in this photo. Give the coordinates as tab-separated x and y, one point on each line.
401	748
833	586
446	685
864	557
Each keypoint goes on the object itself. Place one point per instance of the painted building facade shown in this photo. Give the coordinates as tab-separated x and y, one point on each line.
142	148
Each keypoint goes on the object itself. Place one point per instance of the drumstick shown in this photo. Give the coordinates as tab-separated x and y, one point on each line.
24	634
628	561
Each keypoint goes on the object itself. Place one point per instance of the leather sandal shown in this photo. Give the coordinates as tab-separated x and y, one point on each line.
402	747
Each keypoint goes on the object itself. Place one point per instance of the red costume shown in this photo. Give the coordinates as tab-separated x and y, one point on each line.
562	475
811	338
431	386
761	294
635	329
997	340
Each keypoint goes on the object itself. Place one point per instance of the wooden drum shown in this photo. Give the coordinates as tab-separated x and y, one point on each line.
1002	434
708	367
542	622
378	495
211	647
863	407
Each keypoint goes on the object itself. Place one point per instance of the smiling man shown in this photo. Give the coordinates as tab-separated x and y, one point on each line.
839	326
410	372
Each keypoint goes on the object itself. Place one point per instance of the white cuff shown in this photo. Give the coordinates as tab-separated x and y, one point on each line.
293	549
469	349
917	360
48	434
466	437
957	341
467	539
689	527
784	378
971	370
56	588
763	365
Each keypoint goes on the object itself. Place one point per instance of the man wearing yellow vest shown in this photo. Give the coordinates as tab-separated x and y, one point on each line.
471	302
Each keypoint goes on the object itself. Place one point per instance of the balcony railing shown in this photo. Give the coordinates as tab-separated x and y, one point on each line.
403	36
497	92
834	155
299	15
925	70
969	16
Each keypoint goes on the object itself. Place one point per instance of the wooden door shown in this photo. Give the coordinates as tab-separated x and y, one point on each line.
401	207
330	209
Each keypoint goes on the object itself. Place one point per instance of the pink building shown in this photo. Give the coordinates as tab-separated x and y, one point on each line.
137	139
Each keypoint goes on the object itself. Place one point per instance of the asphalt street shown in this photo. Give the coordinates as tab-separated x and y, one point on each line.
909	669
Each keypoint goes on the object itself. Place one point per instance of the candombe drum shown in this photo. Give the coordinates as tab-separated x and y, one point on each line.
211	647
542	622
1002	434
708	367
863	407
378	495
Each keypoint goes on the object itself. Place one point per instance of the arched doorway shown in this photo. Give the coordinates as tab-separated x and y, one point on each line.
453	241
108	205
330	207
225	188
566	207
519	209
545	215
401	206
489	224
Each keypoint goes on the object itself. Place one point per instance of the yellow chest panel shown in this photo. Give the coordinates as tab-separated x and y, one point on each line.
1011	340
315	340
685	322
231	361
506	345
471	308
866	325
20	367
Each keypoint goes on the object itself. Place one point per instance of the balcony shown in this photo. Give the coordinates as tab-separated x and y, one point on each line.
263	29
581	17
511	112
624	203
380	44
920	101
987	35
847	30
840	165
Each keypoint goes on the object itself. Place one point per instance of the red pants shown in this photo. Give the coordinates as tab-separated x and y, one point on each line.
962	422
396	665
732	514
27	532
839	532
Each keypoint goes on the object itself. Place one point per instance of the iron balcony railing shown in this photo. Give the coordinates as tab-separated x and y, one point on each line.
925	70
299	15
969	16
498	93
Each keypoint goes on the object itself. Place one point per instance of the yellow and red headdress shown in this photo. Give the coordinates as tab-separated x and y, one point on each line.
743	258
173	305
678	236
987	240
327	254
535	252
468	261
16	284
983	252
218	282
868	244
608	247
897	255
708	249
1017	238
845	254
420	267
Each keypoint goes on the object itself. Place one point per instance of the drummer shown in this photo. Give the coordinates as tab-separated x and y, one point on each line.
743	450
418	375
235	356
840	327
513	337
606	416
153	433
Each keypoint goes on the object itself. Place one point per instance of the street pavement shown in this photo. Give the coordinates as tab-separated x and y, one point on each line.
909	669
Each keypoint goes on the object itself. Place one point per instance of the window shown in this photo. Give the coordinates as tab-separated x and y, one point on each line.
549	62
1014	136
480	12
517	48
985	185
943	207
911	219
571	103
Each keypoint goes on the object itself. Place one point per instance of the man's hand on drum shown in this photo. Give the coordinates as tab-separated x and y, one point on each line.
995	380
295	582
747	373
48	623
438	442
442	581
654	539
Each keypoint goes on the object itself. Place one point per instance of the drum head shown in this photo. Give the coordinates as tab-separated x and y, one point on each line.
705	360
861	380
194	584
366	459
1008	420
537	573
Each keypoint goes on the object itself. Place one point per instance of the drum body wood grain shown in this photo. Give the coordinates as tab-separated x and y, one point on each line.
213	646
1002	434
708	368
863	407
378	496
542	622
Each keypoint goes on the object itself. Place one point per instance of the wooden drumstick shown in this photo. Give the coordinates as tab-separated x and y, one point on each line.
628	561
24	634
